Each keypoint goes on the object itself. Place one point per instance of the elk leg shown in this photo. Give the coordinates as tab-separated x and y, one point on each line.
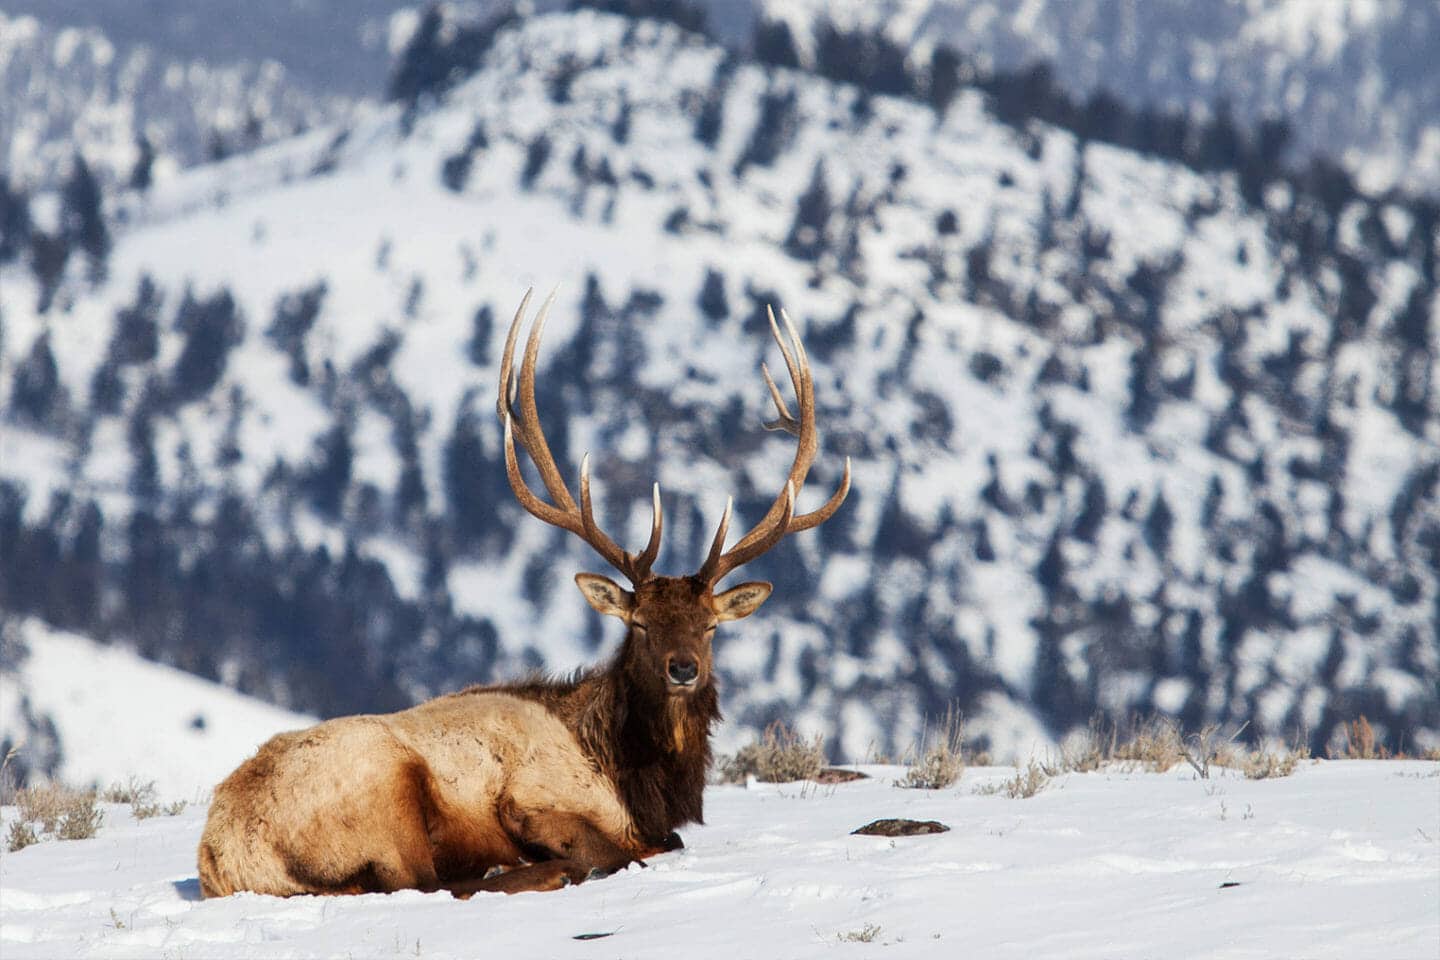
567	849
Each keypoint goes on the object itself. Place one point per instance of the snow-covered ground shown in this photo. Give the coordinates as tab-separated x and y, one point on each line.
1342	859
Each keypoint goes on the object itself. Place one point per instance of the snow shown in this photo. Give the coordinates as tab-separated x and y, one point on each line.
1342	859
119	716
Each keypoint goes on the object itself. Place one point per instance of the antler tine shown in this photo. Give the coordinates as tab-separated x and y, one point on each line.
781	520
505	402
652	548
563	512
743	552
783	420
531	434
603	545
532	504
717	546
798	363
816	517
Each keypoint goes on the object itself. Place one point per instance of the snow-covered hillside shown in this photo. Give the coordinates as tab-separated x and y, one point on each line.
117	717
1125	436
134	110
1354	80
1340	860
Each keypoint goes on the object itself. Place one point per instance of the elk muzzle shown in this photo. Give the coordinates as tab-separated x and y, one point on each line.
682	671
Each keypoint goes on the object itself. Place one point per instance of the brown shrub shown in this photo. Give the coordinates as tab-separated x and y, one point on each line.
941	761
63	812
1025	784
780	756
1264	764
21	835
1360	743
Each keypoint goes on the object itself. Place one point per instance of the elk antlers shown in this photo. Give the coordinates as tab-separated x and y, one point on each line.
780	519
523	420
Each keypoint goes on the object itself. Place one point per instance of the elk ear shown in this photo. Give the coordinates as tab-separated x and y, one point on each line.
741	601
605	595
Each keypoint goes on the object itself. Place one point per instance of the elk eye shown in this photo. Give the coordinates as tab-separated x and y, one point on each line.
640	628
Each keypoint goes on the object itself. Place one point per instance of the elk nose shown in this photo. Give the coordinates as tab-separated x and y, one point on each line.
683	671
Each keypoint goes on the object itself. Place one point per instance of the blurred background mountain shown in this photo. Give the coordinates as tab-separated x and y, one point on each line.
1127	317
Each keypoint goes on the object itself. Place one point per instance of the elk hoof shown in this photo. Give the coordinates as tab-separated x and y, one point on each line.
597	873
494	871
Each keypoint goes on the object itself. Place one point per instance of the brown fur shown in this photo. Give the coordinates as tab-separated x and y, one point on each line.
552	780
546	781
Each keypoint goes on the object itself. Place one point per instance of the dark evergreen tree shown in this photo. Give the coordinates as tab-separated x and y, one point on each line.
14	221
1158	524
482	326
144	481
620	129
37	397
107	389
537	154
455	171
711	118
773	44
142	174
82	219
295	315
136	338
864	57
808	238
774	131
48	256
713	303
81	592
212	327
328	479
945	67
475	490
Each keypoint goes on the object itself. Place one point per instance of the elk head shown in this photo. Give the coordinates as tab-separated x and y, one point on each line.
670	620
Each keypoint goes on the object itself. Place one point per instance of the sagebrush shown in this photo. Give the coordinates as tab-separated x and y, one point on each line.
780	756
941	758
64	813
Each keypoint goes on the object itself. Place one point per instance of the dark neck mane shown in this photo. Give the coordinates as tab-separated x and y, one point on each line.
655	748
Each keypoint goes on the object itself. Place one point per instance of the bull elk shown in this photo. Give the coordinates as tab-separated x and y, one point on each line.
529	785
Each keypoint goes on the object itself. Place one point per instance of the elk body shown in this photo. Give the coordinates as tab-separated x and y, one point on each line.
530	785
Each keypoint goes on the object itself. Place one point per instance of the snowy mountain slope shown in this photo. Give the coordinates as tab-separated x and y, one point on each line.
1339	860
74	89
337	47
117	716
1122	440
1355	81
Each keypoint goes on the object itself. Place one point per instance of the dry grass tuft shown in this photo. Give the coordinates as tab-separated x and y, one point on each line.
62	812
82	819
865	934
781	756
1360	743
940	763
143	799
21	835
1025	784
1155	744
1158	744
140	794
1264	764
